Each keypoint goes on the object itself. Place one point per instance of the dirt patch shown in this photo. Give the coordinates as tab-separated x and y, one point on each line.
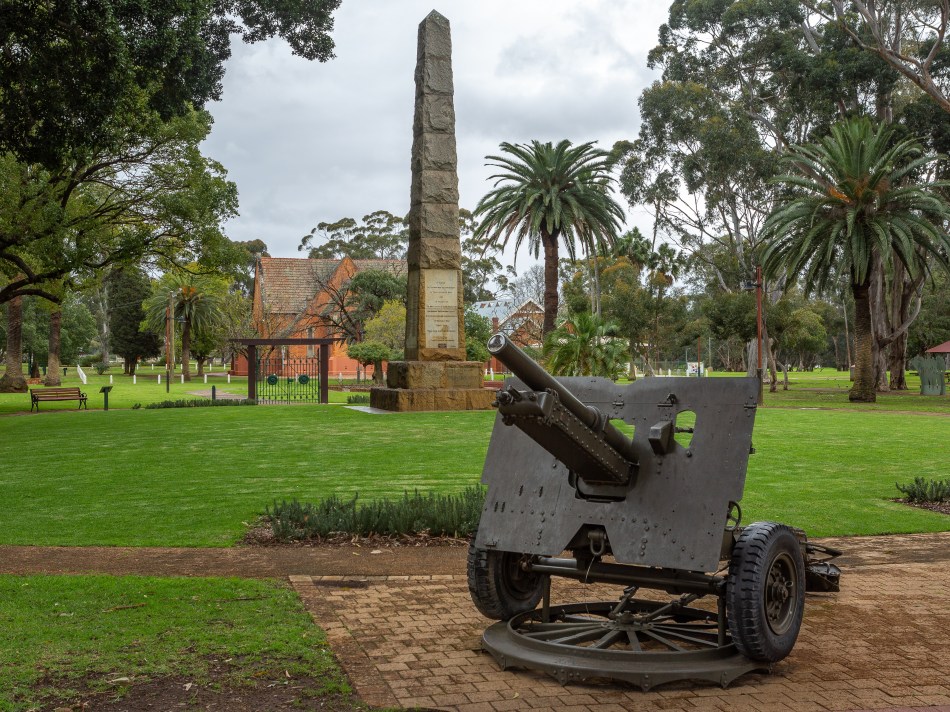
216	693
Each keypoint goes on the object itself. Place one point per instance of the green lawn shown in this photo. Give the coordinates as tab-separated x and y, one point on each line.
61	634
192	477
146	390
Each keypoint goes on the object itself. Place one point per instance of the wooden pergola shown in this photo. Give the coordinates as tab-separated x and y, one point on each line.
324	357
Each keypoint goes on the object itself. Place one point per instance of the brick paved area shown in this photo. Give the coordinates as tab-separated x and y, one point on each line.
883	642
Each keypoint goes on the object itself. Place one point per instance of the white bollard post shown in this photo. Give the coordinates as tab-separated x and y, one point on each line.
133	379
182	377
206	378
229	378
110	379
153	366
159	379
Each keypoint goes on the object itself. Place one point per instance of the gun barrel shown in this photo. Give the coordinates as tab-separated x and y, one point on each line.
537	379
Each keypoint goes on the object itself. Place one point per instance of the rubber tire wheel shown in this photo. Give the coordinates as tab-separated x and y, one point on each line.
498	586
766	551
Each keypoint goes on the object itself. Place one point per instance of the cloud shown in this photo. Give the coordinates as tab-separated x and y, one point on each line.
309	142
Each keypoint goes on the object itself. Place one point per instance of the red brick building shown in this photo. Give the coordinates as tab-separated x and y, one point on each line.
523	324
302	298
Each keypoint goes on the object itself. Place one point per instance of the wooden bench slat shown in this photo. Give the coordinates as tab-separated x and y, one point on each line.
39	395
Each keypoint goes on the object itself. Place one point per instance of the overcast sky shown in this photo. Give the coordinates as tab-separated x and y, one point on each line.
308	142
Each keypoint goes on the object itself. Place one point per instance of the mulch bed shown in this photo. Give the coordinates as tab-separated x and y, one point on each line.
941	507
262	535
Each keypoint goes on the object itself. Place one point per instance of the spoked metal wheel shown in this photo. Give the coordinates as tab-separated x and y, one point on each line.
641	642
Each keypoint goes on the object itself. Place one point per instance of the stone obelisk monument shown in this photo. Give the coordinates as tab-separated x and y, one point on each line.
435	374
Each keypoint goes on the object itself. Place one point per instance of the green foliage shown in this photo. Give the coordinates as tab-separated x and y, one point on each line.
78	75
77	329
368	352
855	194
437	514
477	333
128	289
544	194
200	403
389	325
923	490
154	196
584	345
372	352
197	300
932	326
379	235
101	367
358	399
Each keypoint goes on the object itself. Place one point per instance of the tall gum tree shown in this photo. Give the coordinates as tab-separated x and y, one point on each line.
787	72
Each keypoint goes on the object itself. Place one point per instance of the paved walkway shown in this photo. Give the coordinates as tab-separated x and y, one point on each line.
404	628
883	642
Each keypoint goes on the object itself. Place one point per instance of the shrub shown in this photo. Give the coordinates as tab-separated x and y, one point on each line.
199	403
454	515
90	360
921	490
361	399
101	367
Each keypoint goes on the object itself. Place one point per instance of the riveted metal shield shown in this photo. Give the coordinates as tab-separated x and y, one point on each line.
672	514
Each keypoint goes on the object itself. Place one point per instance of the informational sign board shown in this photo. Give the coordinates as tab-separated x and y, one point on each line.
441	306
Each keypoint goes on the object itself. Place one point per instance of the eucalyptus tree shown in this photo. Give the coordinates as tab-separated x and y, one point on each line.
907	34
378	235
743	81
855	200
544	195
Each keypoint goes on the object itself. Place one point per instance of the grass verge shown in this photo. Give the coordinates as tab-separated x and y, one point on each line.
67	637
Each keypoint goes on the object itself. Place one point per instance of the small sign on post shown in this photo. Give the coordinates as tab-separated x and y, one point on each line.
105	396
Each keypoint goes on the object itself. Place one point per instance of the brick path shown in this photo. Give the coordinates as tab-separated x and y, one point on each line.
883	642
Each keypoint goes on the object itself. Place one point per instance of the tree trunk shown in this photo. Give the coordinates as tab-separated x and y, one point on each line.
863	390
378	373
550	281
201	367
186	349
101	302
13	381
53	376
898	356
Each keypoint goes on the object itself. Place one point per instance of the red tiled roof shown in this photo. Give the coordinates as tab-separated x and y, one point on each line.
289	284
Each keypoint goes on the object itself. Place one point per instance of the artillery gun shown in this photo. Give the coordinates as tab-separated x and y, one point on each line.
657	510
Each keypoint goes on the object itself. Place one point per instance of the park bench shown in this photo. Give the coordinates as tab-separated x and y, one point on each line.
38	395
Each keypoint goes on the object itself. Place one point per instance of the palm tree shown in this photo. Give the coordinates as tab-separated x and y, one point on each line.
585	345
196	301
545	193
854	202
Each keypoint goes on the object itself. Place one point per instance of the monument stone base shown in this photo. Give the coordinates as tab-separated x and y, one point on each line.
432	385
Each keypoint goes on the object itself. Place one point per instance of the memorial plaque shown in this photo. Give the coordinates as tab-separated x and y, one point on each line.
441	307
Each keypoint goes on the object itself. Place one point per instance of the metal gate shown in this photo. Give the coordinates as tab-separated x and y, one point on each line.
288	380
